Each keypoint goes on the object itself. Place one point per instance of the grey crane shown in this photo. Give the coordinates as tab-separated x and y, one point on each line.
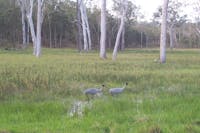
115	91
93	91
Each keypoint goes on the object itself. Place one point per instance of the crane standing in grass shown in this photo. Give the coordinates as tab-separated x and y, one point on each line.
115	91
93	91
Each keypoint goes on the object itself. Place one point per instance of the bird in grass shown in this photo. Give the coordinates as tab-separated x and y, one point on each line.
115	91
93	91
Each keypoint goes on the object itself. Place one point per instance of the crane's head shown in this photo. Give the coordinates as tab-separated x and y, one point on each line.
102	88
125	84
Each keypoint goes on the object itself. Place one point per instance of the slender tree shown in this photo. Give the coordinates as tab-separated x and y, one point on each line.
132	12
120	31
36	38
23	19
39	26
123	39
163	32
78	24
29	12
85	27
175	19
85	40
103	30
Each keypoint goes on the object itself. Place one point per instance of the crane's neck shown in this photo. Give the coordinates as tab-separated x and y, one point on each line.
124	86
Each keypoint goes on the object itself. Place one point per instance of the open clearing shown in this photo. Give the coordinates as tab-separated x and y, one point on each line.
36	94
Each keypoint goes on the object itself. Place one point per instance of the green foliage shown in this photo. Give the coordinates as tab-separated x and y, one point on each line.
59	26
9	22
176	18
36	94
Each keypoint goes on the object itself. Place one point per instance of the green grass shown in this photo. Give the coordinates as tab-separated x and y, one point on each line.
36	94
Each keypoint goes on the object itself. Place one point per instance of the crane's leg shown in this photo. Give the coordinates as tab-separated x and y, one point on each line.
88	99
92	96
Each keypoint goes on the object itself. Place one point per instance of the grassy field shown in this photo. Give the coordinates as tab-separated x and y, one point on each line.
36	95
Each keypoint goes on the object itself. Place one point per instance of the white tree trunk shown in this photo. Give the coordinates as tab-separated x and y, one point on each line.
163	32
118	39
39	28
87	28
114	56
29	10
123	39
103	30
36	39
33	36
85	41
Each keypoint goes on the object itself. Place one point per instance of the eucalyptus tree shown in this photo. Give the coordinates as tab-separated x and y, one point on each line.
40	6
29	4
35	35
163	33
85	26
103	30
132	12
117	42
175	19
